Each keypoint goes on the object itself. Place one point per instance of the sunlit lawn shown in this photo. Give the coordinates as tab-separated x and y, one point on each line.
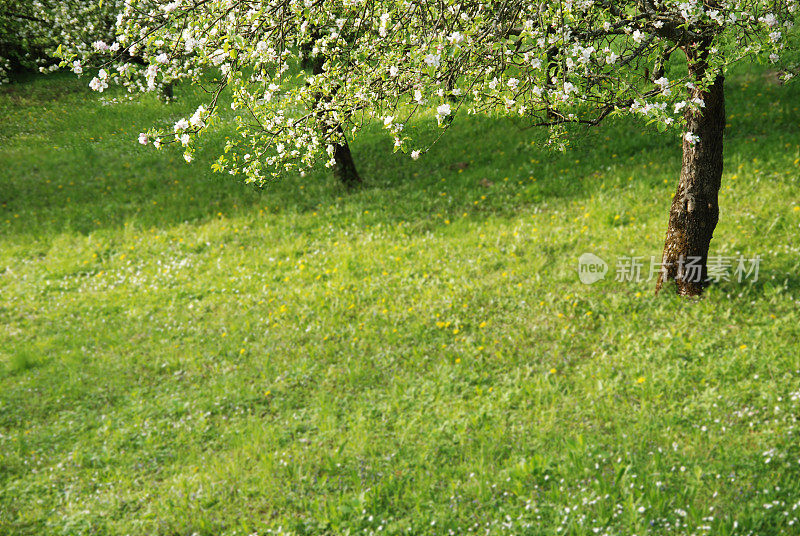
181	353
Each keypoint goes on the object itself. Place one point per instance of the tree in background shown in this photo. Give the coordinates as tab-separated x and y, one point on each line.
34	34
556	63
32	30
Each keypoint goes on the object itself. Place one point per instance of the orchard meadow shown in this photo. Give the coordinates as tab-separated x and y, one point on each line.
183	354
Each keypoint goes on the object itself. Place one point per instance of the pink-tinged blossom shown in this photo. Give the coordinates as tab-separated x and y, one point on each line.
181	124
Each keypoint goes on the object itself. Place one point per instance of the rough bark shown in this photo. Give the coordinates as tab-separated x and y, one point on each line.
695	209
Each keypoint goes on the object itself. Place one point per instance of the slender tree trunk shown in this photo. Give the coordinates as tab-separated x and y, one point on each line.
345	168
167	92
695	209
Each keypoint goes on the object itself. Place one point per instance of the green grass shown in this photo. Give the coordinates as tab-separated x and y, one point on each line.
181	354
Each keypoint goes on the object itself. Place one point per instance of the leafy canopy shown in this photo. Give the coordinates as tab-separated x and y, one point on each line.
552	63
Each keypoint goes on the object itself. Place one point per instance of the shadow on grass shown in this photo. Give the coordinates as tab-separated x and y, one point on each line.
73	165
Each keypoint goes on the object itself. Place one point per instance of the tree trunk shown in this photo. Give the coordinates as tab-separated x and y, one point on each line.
167	92
695	209
345	168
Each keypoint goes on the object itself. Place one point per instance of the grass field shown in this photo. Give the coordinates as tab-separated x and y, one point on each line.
182	354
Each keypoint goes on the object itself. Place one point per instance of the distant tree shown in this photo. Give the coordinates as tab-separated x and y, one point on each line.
35	33
32	30
556	63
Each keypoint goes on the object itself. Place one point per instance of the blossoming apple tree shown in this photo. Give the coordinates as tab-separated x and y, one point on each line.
32	30
556	63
